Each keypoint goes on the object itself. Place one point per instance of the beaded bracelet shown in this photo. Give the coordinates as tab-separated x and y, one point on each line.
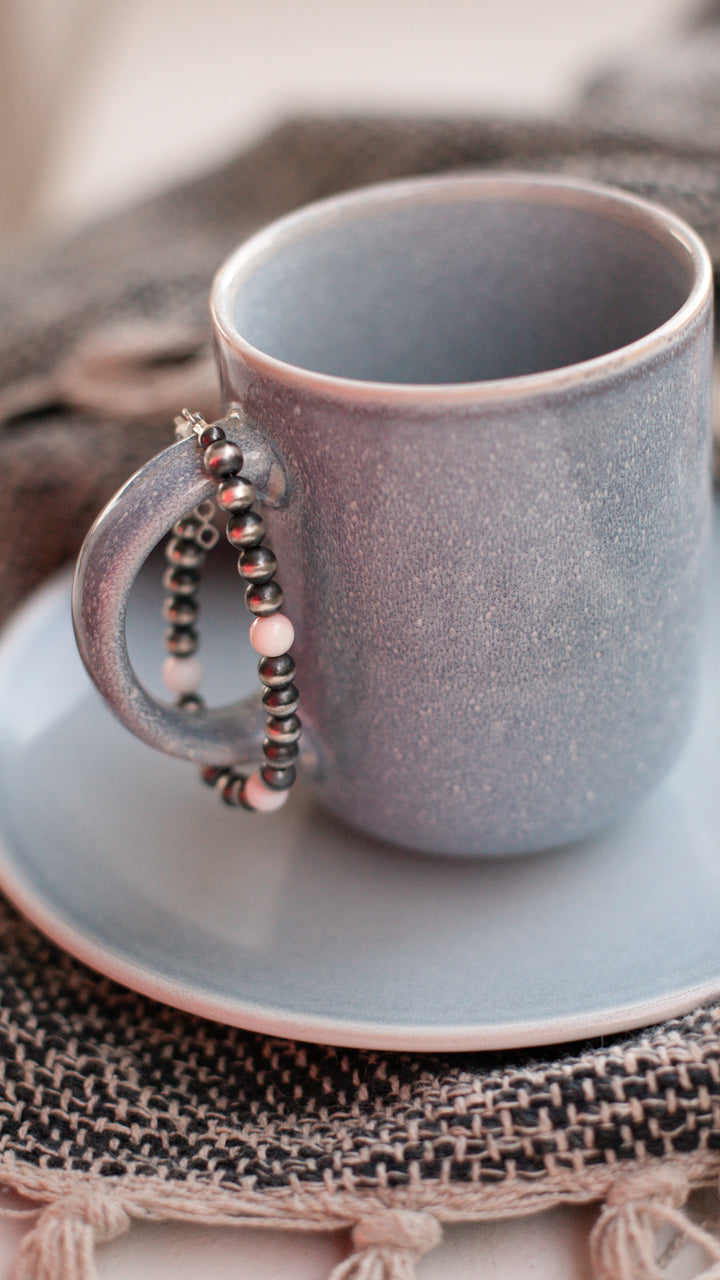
271	632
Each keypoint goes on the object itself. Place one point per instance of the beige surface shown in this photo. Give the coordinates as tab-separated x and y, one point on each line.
102	100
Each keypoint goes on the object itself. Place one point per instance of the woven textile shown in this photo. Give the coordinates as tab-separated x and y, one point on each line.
113	1107
156	1113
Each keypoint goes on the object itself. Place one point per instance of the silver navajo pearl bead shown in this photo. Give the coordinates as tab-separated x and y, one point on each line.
183	552
235	495
210	774
187	527
233	789
281	702
191	702
258	564
264	598
278	779
280	756
222	780
276	671
245	530
283	731
181	641
210	434
182	611
182	582
222	459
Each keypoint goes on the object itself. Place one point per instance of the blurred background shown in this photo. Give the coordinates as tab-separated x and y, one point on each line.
102	101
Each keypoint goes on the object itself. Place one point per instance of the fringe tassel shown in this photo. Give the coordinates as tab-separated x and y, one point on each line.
387	1246
624	1243
61	1246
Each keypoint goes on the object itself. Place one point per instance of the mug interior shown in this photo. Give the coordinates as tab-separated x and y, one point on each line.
476	285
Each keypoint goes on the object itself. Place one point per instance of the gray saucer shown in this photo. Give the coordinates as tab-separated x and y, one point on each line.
294	926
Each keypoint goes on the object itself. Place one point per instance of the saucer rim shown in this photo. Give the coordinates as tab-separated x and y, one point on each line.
401	1037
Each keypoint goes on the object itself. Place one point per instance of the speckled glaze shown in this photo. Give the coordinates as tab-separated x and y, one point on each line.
480	410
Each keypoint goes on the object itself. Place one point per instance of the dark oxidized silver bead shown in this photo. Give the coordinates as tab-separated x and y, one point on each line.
187	527
276	671
235	495
210	774
222	780
278	779
245	530
184	552
232	791
181	641
191	702
280	755
283	731
210	434
257	564
223	459
281	702
181	610
182	582
264	598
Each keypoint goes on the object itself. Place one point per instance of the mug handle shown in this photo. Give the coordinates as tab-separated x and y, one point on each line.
114	551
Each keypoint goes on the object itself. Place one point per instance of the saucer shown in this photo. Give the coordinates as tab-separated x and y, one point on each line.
294	926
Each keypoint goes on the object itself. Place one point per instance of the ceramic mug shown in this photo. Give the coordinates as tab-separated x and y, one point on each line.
478	411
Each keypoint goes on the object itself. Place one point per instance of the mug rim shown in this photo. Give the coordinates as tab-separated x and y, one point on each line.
627	208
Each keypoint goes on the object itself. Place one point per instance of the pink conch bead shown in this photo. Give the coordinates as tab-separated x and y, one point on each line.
182	675
272	636
263	798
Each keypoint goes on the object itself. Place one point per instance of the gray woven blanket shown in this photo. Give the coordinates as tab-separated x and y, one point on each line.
114	1108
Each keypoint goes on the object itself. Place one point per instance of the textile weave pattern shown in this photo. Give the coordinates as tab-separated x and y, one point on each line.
98	1080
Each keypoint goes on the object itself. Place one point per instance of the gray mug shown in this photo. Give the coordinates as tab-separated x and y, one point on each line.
477	409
